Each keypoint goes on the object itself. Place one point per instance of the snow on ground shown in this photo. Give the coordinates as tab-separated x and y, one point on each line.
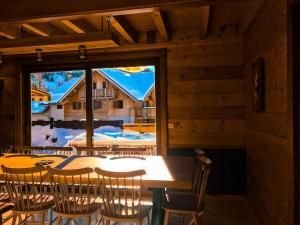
44	136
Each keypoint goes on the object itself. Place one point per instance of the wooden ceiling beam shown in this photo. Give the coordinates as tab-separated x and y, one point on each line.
161	25
48	10
121	25
58	43
73	26
79	26
10	32
35	30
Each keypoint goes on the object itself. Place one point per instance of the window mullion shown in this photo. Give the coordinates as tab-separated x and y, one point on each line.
89	107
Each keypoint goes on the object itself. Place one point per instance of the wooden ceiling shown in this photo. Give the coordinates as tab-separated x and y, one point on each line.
120	24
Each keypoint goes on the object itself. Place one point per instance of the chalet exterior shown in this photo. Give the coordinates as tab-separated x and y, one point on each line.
117	95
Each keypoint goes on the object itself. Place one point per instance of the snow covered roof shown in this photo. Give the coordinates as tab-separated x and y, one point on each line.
59	94
38	107
135	84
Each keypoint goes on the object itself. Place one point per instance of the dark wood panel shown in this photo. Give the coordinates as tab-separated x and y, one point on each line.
187	101
217	125
269	156
206	112
232	86
205	56
206	73
217	140
271	123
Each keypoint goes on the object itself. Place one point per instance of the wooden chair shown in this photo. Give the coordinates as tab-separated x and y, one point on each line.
27	194
129	151
190	204
58	150
197	153
89	151
28	150
122	197
74	195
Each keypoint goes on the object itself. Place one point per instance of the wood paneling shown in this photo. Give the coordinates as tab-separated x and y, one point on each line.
269	156
8	99
205	97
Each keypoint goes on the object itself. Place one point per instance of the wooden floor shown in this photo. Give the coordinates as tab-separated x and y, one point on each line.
220	210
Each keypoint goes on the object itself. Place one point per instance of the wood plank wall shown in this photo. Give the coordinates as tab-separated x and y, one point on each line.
206	97
8	99
269	155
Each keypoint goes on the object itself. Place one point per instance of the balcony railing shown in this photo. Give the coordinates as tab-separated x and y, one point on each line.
100	94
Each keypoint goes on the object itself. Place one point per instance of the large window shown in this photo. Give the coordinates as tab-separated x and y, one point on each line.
123	107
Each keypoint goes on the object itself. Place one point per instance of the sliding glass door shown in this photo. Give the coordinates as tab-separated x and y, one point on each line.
104	106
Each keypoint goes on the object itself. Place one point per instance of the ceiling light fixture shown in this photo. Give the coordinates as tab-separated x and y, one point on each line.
39	57
82	52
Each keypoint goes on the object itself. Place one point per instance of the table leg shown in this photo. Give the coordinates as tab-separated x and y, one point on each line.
157	210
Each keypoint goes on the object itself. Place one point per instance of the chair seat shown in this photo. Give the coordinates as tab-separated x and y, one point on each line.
87	207
39	202
181	202
121	212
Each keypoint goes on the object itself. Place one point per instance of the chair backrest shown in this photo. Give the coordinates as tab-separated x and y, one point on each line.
201	178
198	152
130	151
58	150
121	193
87	151
28	150
72	191
25	187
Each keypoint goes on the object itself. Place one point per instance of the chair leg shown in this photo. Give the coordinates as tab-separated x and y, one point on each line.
196	220
20	219
50	216
148	220
166	219
43	218
88	220
58	220
14	220
107	222
192	221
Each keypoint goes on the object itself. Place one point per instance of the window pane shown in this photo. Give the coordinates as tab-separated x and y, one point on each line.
57	113
126	115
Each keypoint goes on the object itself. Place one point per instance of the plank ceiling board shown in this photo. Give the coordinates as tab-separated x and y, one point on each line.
94	21
28	11
42	29
10	32
187	18
141	22
95	40
231	14
62	27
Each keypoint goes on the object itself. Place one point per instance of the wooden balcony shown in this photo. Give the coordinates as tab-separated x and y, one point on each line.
146	115
100	94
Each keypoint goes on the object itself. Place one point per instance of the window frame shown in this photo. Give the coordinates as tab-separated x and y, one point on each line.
65	61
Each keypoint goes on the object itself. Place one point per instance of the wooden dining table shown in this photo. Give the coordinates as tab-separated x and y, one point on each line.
161	172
